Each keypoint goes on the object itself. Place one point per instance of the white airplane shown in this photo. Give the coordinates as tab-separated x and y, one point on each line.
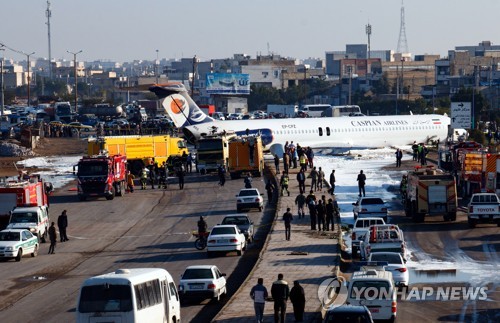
339	134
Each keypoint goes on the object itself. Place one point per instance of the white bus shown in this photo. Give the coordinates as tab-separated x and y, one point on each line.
343	111
129	295
314	110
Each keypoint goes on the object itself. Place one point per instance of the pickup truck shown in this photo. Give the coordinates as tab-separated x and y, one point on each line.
359	230
382	238
483	208
369	207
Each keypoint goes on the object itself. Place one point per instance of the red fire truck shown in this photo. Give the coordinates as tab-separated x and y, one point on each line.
101	175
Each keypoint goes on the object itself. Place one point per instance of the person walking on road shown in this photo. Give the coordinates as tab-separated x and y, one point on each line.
414	149
361	182
311	204
52	238
221	171
330	210
300	201
399	156
321	212
314	179
180	174
62	224
152	174
130	182
298	299
332	182
277	163
259	295
287	218
144	178
284	183
280	293
270	189
301	178
321	178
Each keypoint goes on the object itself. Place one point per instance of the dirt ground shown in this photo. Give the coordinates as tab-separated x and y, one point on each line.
46	147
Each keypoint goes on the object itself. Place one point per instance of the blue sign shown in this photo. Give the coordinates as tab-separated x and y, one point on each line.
221	83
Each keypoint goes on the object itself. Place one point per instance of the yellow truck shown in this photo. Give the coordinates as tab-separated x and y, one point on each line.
245	156
140	150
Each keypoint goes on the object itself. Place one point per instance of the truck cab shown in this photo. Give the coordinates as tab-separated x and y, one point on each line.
35	219
483	208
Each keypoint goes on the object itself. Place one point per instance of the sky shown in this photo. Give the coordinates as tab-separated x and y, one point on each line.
126	30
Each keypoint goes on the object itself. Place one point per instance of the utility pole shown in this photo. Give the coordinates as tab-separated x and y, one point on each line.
29	78
368	29
157	67
195	61
48	14
76	78
2	103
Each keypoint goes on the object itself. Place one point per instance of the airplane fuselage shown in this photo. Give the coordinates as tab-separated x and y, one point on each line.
337	132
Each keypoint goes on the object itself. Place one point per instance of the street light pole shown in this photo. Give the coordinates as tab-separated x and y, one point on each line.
157	65
29	78
2	103
76	78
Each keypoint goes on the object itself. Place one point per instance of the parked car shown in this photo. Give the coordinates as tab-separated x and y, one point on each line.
203	281
249	198
16	243
349	314
235	116
243	223
80	126
370	207
396	265
218	116
359	230
226	237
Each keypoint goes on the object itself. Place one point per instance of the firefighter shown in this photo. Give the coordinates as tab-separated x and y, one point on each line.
144	177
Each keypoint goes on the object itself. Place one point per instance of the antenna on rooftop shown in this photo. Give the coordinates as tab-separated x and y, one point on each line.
268	49
48	14
402	43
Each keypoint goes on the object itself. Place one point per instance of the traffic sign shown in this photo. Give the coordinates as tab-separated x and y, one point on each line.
461	115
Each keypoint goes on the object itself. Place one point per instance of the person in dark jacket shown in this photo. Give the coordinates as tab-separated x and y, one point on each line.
321	213
298	299
180	174
52	237
361	183
62	224
280	293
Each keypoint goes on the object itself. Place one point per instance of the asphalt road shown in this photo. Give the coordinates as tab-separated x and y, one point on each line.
448	254
149	228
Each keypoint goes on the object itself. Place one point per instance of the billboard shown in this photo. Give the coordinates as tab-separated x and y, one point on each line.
222	83
461	115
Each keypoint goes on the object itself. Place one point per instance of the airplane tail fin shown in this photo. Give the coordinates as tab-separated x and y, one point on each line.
179	105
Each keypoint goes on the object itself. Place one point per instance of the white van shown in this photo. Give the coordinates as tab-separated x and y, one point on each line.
375	289
314	110
129	295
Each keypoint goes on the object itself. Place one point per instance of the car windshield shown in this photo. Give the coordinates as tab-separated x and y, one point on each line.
248	193
390	258
238	220
9	236
199	273
24	217
223	230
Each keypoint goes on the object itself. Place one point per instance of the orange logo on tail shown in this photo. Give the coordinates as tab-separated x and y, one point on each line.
177	105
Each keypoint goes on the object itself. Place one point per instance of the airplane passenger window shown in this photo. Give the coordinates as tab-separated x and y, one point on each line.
320	131
327	131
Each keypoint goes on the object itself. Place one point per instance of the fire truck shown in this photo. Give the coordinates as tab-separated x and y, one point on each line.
245	156
24	205
479	172
430	192
212	152
101	175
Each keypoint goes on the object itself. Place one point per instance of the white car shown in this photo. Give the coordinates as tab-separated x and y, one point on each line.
15	243
396	266
370	207
249	198
235	116
204	281
80	126
226	237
